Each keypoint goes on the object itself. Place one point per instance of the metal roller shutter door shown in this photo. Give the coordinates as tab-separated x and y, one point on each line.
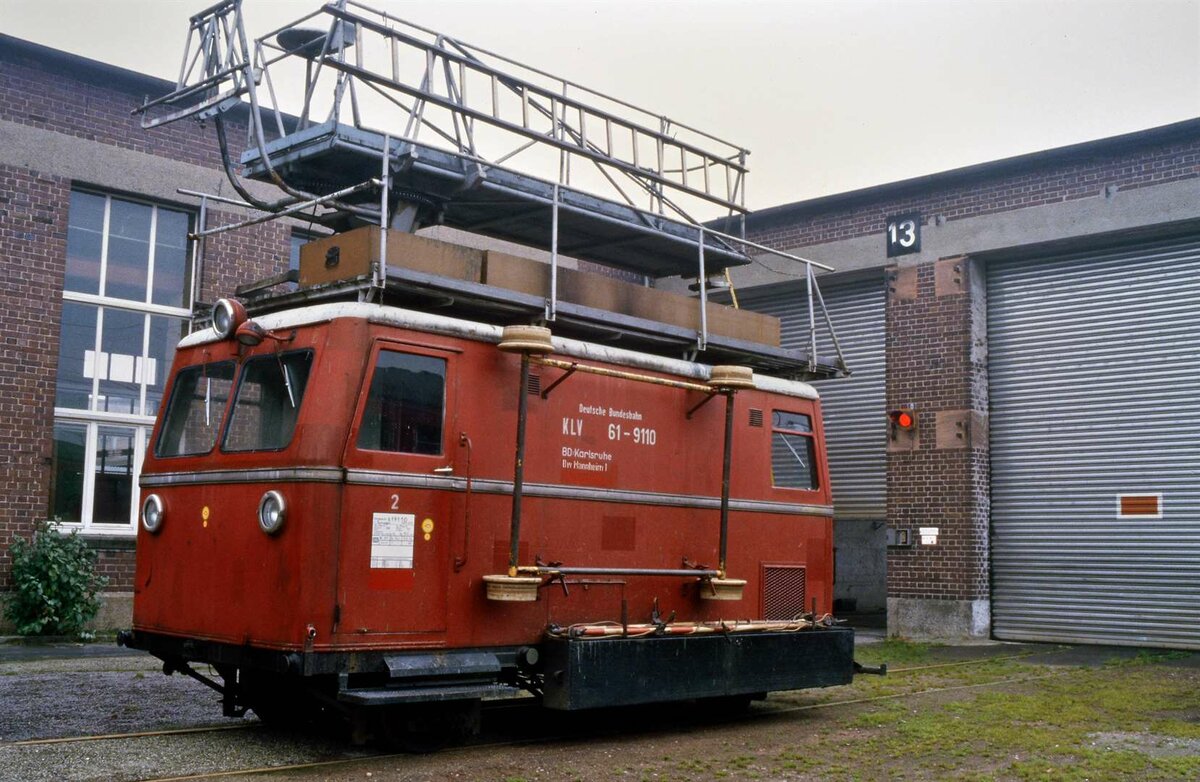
855	420
1094	375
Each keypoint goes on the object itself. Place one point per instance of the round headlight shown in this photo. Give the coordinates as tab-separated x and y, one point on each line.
272	511
227	315
152	513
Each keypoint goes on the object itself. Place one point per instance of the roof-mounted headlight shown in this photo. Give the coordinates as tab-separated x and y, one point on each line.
153	513
272	512
227	315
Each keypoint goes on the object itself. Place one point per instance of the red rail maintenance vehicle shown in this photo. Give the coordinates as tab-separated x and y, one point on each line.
391	494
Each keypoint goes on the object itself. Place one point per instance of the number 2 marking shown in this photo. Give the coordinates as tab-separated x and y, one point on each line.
395	502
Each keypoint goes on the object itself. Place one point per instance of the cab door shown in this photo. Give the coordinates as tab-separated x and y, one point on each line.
395	527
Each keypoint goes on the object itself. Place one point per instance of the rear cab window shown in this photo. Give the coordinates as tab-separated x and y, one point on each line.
793	451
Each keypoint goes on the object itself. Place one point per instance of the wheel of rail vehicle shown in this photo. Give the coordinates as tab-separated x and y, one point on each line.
730	705
427	727
282	702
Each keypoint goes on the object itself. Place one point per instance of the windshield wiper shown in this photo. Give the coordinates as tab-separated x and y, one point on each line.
287	380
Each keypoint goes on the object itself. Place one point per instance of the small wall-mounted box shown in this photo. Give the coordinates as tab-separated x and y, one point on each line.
899	538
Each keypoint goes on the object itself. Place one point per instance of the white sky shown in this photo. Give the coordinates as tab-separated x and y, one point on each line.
828	95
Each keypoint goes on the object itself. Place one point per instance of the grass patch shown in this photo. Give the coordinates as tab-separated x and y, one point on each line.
1041	729
895	651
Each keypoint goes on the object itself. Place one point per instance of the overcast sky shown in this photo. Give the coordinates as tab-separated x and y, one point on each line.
829	95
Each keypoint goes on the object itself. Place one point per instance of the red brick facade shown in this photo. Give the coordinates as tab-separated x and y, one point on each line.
33	241
54	94
1027	185
40	93
937	335
937	479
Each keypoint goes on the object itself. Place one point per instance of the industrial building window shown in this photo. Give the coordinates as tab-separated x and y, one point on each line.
793	451
127	295
405	405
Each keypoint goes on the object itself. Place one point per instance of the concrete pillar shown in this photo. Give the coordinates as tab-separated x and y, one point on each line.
937	475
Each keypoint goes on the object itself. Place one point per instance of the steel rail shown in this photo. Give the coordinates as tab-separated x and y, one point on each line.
134	735
551	739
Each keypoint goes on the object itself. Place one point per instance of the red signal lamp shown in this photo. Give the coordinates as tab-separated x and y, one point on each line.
904	420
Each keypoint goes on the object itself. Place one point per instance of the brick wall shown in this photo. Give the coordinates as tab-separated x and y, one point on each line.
33	240
117	566
241	256
45	94
1004	190
939	477
936	362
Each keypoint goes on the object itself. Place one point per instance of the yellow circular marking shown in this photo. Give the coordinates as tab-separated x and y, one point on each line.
204	513
428	536
427	527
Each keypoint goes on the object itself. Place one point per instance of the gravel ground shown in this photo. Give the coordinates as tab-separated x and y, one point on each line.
43	697
805	735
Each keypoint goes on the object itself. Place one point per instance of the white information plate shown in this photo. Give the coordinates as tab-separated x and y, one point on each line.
392	540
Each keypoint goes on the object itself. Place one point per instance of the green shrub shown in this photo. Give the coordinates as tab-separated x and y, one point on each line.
54	583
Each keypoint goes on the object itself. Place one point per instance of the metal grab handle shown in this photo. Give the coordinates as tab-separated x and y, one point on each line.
461	561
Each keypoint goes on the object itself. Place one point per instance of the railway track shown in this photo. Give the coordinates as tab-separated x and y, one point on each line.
588	729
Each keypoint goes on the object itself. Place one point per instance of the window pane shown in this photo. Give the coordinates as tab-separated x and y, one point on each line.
405	405
76	356
114	476
128	250
66	488
152	370
268	402
85	231
793	461
171	277
298	241
121	335
793	422
196	408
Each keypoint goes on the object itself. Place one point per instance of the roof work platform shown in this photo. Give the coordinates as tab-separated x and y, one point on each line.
398	126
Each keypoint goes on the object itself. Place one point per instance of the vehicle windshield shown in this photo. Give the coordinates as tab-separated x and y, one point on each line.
268	400
196	409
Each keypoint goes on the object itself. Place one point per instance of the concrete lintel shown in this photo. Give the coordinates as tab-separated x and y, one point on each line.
117	168
1107	212
923	619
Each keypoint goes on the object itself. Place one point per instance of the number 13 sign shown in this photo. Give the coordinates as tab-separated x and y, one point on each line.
903	234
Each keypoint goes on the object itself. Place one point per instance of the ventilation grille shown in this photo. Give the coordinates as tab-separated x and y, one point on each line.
534	386
783	591
756	417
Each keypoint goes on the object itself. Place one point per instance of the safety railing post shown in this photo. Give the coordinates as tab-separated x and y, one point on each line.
385	176
514	532
702	336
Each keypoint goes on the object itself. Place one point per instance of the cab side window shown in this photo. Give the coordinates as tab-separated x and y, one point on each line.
793	451
406	405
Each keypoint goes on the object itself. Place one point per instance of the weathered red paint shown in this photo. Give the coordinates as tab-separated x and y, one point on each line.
223	579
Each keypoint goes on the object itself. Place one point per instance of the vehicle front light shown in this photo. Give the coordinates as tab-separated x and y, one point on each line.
227	315
272	512
153	513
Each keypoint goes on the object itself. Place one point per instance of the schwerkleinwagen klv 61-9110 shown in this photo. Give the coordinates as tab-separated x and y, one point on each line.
419	476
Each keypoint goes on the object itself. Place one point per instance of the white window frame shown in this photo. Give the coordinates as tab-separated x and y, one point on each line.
93	420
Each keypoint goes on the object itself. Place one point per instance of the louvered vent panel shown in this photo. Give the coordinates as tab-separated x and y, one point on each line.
534	386
783	591
756	418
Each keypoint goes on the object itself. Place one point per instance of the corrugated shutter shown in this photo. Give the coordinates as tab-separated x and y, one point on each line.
855	418
1094	374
